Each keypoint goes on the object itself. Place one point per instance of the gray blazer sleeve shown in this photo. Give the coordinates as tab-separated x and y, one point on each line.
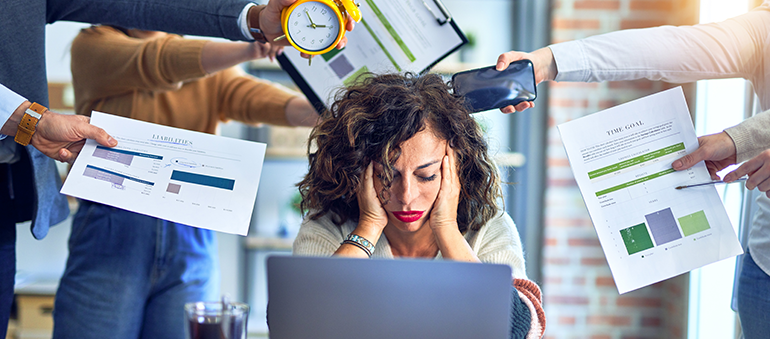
196	17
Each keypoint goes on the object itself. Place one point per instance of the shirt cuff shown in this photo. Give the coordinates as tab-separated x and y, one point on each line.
243	21
570	61
9	102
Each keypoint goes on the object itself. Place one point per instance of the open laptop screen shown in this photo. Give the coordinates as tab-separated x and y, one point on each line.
339	298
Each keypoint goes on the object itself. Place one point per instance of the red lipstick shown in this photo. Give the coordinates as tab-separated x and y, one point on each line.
408	216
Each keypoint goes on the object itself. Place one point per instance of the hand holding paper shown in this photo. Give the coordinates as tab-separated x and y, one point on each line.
622	161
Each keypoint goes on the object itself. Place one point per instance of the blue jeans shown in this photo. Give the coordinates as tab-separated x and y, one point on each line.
129	275
754	300
7	270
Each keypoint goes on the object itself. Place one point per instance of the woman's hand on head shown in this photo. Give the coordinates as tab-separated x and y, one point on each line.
371	213
443	215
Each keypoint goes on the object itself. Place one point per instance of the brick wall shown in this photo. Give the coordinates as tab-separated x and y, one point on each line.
581	300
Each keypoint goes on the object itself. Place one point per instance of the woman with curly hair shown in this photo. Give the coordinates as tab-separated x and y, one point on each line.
401	169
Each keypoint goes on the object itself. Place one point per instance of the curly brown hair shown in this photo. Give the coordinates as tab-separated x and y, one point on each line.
370	120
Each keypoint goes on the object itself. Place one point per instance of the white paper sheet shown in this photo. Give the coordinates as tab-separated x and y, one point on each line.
187	177
621	158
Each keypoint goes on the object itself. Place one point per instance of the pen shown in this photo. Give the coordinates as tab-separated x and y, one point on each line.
711	183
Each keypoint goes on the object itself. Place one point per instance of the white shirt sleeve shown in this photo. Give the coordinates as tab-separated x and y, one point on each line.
243	21
730	49
9	102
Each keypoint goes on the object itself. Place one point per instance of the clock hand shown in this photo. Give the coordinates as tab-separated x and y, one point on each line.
321	26
312	24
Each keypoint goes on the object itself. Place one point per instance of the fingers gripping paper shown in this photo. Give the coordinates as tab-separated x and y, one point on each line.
621	158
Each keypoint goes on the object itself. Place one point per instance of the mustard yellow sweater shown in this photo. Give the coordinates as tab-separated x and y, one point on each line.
162	81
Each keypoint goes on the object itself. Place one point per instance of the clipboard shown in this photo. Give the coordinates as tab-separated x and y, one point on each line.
393	36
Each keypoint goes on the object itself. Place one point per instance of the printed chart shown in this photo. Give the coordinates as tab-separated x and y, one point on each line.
192	178
649	231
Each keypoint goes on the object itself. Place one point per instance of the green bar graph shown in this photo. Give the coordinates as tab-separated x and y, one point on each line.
694	223
636	238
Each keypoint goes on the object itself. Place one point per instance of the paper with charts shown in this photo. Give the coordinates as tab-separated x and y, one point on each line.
621	158
188	177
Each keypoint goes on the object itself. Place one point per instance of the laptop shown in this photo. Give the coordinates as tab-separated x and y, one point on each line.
341	298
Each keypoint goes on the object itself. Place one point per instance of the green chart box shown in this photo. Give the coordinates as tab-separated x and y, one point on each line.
694	223
636	238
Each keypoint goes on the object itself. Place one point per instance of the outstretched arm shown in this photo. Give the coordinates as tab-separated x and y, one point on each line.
219	55
733	48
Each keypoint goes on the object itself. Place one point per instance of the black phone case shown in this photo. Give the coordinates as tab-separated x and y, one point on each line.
483	96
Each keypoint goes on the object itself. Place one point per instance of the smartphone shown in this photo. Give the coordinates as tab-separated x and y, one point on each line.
486	88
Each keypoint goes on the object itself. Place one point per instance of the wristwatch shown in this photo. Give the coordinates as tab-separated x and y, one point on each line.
28	123
254	25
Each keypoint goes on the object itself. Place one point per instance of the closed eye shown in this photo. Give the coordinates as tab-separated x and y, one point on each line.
430	178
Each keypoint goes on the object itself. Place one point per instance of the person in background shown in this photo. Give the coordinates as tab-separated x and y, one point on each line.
129	275
735	48
29	181
401	170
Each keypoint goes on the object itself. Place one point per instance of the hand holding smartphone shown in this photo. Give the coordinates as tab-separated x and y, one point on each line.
486	88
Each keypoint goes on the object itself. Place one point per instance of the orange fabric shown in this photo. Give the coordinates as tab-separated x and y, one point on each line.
161	80
532	292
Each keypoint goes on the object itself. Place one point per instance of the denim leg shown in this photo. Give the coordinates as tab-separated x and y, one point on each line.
104	287
186	270
7	270
7	248
754	300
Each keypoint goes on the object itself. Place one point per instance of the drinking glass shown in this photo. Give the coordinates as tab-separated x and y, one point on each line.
216	320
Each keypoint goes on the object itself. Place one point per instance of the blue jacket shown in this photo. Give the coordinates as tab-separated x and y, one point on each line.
34	180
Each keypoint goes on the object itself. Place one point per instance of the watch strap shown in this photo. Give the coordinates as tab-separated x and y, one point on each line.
28	123
253	22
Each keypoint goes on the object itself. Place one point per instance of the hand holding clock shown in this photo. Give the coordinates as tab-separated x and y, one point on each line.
280	18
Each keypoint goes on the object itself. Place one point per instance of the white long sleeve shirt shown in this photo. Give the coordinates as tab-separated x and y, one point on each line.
9	102
735	48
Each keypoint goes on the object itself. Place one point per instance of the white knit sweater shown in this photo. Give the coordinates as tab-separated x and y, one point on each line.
497	242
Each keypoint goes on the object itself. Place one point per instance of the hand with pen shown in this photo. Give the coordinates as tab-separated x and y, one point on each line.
719	151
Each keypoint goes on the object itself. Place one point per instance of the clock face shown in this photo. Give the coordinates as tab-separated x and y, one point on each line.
313	26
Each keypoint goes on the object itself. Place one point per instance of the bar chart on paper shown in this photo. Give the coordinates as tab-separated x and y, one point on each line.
651	174
187	177
649	231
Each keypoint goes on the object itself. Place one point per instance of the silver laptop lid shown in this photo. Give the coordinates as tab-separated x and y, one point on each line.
340	298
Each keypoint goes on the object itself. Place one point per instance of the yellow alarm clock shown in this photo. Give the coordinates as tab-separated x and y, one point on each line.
316	26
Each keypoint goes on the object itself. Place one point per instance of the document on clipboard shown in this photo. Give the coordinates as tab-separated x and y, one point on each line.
393	36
